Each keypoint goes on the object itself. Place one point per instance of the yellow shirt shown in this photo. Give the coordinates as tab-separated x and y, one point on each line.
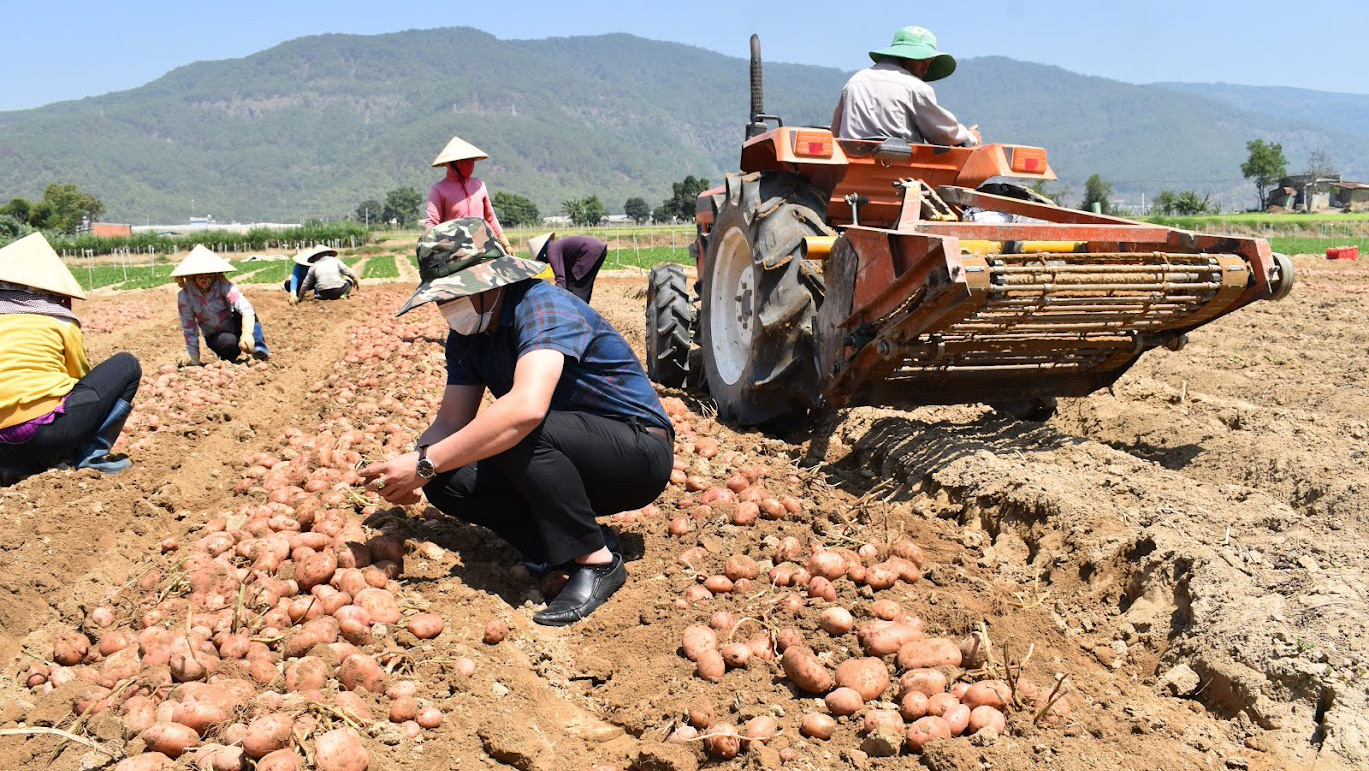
41	358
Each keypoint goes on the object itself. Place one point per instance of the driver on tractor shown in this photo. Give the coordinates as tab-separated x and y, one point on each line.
893	98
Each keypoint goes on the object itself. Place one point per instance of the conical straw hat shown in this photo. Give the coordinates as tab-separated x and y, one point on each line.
538	243
458	150
31	261
308	256
201	261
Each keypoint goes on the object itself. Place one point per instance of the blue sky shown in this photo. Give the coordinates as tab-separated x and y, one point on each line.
57	50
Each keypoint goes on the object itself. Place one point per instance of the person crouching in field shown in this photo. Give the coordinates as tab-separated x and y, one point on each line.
328	276
575	260
54	408
575	431
209	303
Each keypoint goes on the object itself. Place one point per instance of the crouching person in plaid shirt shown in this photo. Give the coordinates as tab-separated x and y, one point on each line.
576	431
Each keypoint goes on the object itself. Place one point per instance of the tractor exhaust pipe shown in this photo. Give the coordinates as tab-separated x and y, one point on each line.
757	125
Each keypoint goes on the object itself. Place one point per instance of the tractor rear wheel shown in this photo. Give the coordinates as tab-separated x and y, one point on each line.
669	318
759	299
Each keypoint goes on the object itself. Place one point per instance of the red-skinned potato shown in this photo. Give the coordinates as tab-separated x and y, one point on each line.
957	717
70	648
702	715
924	730
697	639
836	621
867	676
881	638
984	716
821	588
426	626
803	667
913	705
496	631
787	638
403	708
267	733
352	703
361	672
741	566
736	654
762	647
430	717
909	551
722	621
710	665
281	760
147	761
939	703
924	681
994	693
931	652
818	726
973	650
722	741
843	701
341	750
199	716
886	609
760	728
881	718
170	739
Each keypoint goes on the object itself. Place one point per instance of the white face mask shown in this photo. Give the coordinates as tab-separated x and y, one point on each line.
463	318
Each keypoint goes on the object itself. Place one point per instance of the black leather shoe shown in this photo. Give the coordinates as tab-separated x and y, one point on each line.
588	588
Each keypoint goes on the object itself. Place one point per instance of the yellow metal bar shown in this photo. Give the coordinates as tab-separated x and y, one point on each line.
974	246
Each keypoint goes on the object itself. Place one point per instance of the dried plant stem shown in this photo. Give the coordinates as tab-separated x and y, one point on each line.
71	737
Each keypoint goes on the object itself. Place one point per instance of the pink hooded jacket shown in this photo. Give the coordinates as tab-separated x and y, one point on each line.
456	197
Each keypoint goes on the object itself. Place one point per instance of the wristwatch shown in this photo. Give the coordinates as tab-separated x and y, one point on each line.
426	469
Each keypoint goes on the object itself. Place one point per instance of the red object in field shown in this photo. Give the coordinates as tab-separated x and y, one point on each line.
1342	252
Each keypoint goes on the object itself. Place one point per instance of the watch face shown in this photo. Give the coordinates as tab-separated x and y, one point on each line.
426	468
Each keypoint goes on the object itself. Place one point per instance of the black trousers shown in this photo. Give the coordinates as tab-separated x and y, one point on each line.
543	494
90	400
225	344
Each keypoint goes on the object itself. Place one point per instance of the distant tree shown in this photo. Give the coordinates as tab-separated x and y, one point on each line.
660	213
684	198
1163	202
64	207
1319	165
638	209
1188	203
1096	191
585	211
371	212
18	208
11	227
515	211
1265	166
402	205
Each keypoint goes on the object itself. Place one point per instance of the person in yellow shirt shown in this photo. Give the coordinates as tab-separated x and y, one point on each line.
54	408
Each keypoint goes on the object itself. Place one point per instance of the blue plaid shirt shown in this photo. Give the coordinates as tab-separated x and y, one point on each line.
602	375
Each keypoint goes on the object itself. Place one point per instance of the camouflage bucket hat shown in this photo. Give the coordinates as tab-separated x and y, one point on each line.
462	257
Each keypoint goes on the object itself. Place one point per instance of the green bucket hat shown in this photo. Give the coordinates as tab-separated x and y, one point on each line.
918	43
462	257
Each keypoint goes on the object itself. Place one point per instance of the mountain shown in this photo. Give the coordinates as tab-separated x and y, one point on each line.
1347	113
310	128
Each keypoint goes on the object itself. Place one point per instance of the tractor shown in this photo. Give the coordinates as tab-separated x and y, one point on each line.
840	272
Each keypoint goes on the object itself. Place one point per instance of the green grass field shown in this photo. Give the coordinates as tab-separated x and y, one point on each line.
1293	245
381	266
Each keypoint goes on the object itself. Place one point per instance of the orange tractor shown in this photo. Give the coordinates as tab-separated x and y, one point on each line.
836	272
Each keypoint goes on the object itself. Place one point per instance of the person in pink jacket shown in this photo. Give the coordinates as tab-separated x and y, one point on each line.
460	194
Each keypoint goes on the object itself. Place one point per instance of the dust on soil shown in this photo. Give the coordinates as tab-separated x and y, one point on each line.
1186	549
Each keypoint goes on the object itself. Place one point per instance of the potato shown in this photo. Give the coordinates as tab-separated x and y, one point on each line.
880	638
867	676
224	758
147	761
881	576
957	717
170	739
909	551
931	652
788	637
886	609
821	588
760	728
199	716
138	712
836	621
723	742
913	705
267	733
382	606
762	647
426	626
710	665
70	648
802	667
843	701
341	750
924	730
430	717
697	639
307	674
827	563
403	708
818	726
361	672
352	703
924	681
496	631
973	650
281	760
718	584
741	566
984	716
723	621
939	703
736	654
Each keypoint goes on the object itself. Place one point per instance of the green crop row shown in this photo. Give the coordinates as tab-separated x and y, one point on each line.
1296	245
380	266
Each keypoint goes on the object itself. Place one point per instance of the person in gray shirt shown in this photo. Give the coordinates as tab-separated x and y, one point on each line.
893	98
328	276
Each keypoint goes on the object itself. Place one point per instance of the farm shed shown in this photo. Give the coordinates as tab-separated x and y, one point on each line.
1351	196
